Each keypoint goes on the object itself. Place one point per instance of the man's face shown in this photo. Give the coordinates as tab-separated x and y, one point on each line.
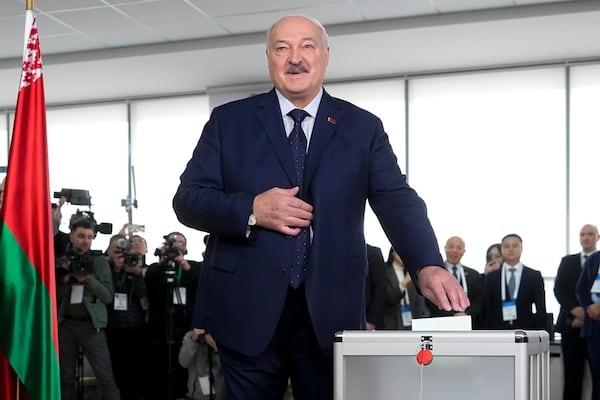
511	250
179	242
588	238
455	249
297	59
81	239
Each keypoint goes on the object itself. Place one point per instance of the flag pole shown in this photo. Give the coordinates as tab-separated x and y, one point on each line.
28	7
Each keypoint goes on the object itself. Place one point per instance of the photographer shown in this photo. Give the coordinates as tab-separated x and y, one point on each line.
84	287
171	284
125	332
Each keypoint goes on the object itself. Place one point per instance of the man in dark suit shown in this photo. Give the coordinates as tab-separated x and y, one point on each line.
510	292
375	288
588	294
286	261
570	317
470	280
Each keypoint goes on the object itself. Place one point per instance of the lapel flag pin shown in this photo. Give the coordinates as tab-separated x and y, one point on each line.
331	120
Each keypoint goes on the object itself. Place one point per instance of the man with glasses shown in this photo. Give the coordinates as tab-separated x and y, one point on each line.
510	292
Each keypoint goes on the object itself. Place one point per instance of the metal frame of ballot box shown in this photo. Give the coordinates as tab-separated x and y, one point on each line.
493	365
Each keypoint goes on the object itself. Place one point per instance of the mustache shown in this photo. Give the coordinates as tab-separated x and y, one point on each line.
296	68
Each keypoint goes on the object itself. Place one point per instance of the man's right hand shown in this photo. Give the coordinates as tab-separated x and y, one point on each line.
441	288
280	210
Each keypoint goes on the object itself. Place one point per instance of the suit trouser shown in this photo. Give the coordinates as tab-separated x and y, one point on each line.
71	335
593	347
293	353
574	355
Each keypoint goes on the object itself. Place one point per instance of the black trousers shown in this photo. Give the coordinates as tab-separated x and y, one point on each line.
574	355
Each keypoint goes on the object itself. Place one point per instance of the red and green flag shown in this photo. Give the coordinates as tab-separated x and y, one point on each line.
29	366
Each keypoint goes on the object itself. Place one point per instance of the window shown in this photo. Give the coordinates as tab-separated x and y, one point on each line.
164	135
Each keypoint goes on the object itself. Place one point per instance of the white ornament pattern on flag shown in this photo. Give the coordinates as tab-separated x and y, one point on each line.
32	62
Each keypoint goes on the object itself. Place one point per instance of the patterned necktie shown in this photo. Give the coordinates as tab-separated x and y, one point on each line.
511	283
297	140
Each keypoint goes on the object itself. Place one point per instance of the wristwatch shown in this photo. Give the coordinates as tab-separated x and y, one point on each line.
251	223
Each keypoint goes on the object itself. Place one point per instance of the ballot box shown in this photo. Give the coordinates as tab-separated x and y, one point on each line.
422	365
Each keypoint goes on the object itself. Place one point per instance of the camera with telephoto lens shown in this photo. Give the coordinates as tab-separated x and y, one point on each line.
125	246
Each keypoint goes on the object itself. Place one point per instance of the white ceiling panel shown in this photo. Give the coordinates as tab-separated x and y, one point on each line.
65	5
109	27
447	6
184	21
382	9
240	7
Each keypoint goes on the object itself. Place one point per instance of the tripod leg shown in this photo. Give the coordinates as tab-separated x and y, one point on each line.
79	374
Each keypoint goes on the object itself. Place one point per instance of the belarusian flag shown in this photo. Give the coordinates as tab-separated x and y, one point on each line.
29	331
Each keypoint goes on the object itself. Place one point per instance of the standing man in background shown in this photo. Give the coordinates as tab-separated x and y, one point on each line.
511	292
571	315
286	261
588	294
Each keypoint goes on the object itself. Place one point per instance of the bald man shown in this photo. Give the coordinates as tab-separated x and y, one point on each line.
469	279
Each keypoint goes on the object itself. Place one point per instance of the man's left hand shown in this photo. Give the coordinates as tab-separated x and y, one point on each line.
439	286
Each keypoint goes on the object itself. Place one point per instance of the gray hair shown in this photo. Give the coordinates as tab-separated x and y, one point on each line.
313	20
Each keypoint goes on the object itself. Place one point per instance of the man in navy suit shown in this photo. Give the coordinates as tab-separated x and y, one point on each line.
286	261
508	302
570	317
588	294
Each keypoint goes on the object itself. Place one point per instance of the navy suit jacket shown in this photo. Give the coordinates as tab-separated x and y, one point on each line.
242	152
590	328
531	291
564	291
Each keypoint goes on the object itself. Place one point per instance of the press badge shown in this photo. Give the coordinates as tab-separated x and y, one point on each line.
120	301
596	285
76	294
179	295
595	290
509	311
406	316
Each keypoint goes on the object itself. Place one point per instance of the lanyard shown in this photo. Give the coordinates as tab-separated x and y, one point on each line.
121	280
179	269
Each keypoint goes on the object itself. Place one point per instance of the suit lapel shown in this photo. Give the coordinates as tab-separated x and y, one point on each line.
326	122
269	116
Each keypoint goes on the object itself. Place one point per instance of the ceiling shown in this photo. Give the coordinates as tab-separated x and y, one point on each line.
102	49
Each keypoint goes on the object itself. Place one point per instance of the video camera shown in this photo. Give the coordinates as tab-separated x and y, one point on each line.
169	251
77	197
102	227
78	263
